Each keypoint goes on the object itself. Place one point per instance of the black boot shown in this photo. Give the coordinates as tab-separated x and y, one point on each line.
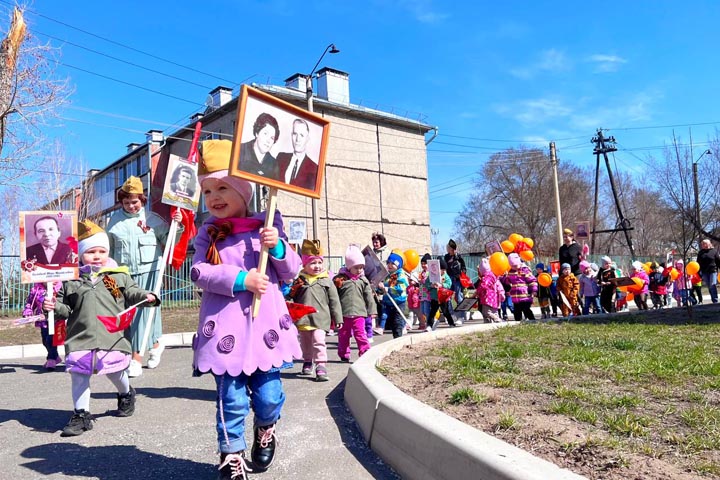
263	449
79	423
233	466
126	404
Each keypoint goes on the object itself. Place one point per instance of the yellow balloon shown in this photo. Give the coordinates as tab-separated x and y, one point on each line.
527	255
507	246
412	259
647	266
529	242
514	238
674	274
499	263
692	268
544	279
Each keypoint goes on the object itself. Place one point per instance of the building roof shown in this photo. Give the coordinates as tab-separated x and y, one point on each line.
359	110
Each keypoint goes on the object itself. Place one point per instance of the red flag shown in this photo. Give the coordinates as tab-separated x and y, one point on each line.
298	310
119	322
188	216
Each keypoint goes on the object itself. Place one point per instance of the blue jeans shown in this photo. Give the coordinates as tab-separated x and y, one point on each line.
507	305
459	297
710	279
595	300
233	405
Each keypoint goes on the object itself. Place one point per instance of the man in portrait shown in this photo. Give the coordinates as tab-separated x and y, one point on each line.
183	181
49	250
296	168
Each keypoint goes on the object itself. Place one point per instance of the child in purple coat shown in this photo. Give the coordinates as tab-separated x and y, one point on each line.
243	353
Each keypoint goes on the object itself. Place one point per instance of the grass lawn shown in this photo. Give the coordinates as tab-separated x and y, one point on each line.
605	400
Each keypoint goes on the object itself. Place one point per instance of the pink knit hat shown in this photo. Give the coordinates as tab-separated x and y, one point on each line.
353	256
484	266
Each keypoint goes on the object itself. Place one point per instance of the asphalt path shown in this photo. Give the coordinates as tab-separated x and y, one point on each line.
172	433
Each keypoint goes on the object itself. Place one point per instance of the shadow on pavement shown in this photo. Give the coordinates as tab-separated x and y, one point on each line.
38	419
352	438
121	462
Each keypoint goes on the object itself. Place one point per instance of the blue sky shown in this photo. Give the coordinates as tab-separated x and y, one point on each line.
490	75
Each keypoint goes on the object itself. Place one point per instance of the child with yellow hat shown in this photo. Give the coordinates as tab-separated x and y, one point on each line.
238	350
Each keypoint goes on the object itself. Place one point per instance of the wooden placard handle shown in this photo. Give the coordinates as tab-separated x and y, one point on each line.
264	252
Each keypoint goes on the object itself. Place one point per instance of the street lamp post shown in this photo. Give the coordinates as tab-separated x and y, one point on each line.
698	224
309	95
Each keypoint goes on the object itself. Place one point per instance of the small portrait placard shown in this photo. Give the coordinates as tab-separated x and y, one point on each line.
296	231
181	188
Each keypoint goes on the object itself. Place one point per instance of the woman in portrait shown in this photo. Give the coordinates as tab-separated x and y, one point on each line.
255	156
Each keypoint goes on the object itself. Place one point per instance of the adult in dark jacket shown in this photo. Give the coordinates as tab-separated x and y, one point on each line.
455	266
570	252
709	261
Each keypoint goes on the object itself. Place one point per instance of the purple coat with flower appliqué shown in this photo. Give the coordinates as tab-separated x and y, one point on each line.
228	339
523	284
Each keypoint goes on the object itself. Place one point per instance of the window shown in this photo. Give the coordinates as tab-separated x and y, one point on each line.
144	164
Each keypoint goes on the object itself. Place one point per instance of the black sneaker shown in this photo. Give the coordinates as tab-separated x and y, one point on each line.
79	423
233	466
263	449
126	404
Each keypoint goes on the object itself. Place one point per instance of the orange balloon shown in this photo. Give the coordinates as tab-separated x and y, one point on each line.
515	238
623	288
499	263
544	279
529	242
527	255
674	274
412	259
507	246
692	268
630	297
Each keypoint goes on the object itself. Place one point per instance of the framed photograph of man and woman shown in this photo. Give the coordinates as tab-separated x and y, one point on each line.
278	144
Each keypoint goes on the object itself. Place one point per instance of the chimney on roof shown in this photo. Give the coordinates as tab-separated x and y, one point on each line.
154	136
132	146
333	85
220	96
297	81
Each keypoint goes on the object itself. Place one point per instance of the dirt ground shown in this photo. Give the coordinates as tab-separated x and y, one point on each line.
577	446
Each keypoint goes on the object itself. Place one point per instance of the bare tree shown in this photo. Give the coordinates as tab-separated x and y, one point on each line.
30	97
513	192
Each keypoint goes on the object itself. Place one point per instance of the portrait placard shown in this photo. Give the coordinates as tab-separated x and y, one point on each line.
375	271
48	246
582	230
492	247
181	188
296	231
278	144
434	273
466	304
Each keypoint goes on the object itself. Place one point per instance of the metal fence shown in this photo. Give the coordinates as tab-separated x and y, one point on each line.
179	291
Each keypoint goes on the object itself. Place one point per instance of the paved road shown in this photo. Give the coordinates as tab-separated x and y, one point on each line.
172	433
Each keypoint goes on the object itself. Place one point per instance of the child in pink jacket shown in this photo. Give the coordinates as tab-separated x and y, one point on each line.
489	292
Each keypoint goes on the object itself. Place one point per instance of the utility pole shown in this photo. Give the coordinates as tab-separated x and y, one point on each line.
601	148
558	213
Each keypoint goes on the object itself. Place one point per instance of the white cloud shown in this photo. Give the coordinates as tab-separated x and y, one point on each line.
534	111
551	60
424	11
606	63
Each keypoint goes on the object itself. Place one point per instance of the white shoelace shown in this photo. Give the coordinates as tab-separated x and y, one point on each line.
267	435
238	465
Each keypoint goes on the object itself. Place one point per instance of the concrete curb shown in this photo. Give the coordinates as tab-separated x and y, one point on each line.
38	350
422	443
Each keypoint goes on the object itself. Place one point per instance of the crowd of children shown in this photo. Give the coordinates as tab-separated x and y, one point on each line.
245	350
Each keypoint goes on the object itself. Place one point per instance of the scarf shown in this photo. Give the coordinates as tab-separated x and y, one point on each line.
220	229
313	278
